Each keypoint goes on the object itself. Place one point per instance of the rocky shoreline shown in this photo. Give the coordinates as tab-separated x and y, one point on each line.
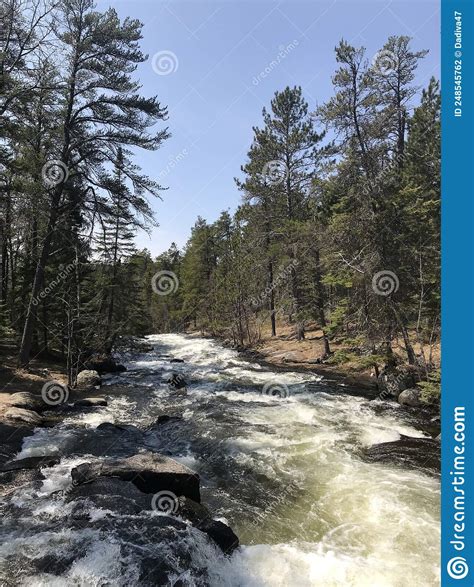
140	482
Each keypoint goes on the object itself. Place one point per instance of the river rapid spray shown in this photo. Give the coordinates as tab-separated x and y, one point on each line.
285	473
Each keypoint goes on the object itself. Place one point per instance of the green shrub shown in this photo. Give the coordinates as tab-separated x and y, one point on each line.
431	389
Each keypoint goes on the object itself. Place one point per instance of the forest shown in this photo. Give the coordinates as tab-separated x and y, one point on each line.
338	224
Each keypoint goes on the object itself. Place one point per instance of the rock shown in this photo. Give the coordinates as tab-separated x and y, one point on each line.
87	379
176	360
113	494
104	364
22	415
418	453
410	397
12	440
11	481
201	518
164	418
149	472
25	399
393	380
91	402
30	463
118	495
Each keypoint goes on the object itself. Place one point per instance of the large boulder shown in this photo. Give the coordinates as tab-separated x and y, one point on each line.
113	494
26	400
149	472
410	397
87	379
22	415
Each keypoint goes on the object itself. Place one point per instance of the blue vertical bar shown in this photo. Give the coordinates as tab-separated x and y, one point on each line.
457	520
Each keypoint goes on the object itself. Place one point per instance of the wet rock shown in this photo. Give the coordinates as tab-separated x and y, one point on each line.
10	481
111	427
91	402
26	400
410	397
12	439
22	415
201	518
149	472
108	493
164	419
30	463
176	360
418	453
87	379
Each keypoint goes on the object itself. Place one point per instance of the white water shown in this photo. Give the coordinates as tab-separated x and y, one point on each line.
307	509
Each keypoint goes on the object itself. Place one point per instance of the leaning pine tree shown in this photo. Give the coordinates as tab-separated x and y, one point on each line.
99	109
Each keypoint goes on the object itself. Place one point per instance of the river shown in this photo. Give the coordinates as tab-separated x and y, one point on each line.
280	460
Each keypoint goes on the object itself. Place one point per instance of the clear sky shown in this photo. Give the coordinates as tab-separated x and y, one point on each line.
210	57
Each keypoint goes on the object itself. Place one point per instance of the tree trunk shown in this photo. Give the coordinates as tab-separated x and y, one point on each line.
272	297
30	319
320	301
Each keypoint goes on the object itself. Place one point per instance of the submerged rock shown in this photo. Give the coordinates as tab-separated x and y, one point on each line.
418	453
149	472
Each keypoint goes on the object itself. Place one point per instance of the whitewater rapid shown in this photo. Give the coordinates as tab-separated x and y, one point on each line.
285	473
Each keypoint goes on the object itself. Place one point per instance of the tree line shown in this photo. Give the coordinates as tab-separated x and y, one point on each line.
338	224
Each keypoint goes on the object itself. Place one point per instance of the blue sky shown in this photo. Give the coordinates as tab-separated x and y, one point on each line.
212	55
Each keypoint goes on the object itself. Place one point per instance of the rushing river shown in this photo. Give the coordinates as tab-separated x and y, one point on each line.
286	473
